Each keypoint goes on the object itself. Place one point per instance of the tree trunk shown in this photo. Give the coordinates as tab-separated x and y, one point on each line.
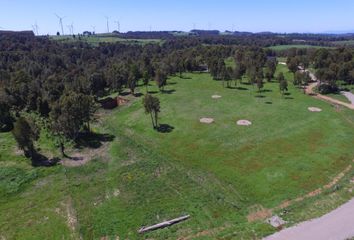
62	149
152	120
156	119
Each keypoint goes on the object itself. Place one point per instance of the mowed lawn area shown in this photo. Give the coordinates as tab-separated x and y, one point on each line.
216	173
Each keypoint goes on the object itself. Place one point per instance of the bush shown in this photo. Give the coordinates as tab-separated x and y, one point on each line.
326	89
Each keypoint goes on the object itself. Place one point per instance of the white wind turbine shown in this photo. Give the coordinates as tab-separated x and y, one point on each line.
60	23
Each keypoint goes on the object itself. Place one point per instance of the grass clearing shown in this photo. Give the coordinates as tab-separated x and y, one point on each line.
97	39
217	173
286	47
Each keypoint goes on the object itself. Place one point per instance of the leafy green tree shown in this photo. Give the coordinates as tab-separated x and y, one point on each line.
298	79
6	120
260	83
293	65
280	77
152	107
271	65
132	83
72	112
236	75
161	79
146	79
283	86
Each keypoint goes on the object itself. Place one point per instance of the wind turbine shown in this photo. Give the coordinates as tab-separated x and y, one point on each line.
35	28
118	25
93	29
71	30
60	23
107	18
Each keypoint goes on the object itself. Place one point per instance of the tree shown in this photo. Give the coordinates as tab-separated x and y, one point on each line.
283	86
25	134
152	107
293	65
271	65
6	120
146	79
228	76
72	112
131	83
298	79
280	77
260	84
237	74
161	79
259	79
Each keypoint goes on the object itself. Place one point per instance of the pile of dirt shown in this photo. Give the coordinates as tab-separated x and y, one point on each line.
215	96
206	120
244	123
314	109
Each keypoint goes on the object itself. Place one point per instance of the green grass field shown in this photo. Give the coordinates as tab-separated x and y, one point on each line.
97	39
216	173
286	47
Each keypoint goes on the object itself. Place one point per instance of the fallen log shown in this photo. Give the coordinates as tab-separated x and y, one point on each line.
163	224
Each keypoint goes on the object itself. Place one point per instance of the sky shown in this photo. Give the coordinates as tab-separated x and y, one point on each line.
143	15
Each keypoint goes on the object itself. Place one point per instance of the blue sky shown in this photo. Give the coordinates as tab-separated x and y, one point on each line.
242	15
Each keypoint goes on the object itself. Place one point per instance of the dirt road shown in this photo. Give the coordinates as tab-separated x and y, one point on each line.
336	225
309	90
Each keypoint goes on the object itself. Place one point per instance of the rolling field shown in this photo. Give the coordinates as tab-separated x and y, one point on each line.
286	47
97	39
217	173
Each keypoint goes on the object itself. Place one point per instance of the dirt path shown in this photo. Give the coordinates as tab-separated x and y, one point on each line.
338	224
309	91
349	96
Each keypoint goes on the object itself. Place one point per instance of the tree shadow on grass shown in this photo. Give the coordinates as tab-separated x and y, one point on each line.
289	98
260	96
39	160
269	102
138	94
241	88
92	140
267	90
168	91
165	128
153	92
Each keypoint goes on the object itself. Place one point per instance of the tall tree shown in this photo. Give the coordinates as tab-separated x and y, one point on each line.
283	86
161	79
152	107
70	115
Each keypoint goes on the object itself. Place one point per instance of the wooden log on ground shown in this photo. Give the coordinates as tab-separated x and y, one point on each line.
163	224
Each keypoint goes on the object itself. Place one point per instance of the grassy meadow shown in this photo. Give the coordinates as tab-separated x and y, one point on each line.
95	40
217	173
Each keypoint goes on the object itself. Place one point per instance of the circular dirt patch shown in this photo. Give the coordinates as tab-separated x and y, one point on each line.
244	123
314	109
206	120
215	96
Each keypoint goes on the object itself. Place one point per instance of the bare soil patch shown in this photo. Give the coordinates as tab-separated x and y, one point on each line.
314	109
244	123
206	120
83	157
216	97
